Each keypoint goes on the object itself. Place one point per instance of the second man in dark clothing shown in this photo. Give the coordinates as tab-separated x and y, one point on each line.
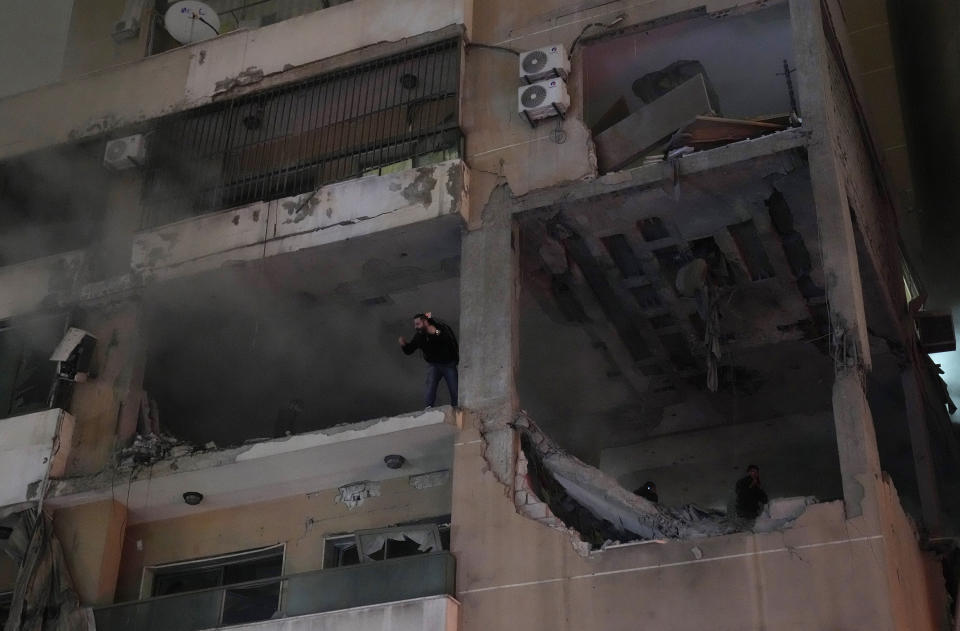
438	344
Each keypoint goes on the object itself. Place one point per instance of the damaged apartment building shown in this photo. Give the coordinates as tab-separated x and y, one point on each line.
666	234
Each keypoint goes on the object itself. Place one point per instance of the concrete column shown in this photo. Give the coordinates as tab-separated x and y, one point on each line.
488	329
91	536
859	459
922	453
106	406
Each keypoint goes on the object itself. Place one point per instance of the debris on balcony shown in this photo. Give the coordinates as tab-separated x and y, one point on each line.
150	448
565	493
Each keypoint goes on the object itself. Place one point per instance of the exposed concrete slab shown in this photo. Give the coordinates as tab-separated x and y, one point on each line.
253	473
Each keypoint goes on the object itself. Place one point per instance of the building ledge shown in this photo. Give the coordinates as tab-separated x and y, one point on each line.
781	142
261	471
332	213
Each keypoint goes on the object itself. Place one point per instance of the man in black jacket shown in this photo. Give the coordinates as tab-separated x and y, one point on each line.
440	350
751	498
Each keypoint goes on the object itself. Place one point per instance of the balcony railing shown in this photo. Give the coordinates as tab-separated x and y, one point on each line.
294	595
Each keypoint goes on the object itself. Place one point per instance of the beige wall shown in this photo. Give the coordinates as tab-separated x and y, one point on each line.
301	522
90	536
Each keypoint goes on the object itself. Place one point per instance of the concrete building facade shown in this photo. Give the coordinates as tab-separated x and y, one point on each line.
690	264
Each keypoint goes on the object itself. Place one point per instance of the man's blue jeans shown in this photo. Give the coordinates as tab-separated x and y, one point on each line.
436	372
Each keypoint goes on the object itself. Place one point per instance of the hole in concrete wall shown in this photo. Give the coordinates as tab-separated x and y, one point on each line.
239	353
655	418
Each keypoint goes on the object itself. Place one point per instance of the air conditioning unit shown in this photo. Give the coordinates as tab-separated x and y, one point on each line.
125	153
543	99
544	63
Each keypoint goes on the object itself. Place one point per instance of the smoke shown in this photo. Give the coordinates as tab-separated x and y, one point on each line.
51	201
229	350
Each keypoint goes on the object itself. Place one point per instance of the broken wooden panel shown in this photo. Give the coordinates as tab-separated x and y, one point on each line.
637	133
710	131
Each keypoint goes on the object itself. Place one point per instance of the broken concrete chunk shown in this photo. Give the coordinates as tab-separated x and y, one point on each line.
636	134
653	85
430	480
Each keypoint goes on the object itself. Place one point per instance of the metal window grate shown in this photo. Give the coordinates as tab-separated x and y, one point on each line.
394	112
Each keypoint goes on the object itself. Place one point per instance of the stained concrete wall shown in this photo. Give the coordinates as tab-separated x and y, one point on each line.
333	213
306	520
191	75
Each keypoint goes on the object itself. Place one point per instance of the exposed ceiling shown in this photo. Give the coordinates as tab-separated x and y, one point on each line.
611	352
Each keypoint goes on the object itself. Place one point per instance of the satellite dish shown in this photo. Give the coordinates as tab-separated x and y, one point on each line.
189	21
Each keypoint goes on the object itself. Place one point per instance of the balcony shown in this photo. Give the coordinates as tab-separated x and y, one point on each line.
393	594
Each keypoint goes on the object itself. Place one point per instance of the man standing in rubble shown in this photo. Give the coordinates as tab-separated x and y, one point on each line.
751	498
438	344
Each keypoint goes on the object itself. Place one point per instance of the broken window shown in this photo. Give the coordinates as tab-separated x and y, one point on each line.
246	603
389	114
28	378
381	544
340	551
696	83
